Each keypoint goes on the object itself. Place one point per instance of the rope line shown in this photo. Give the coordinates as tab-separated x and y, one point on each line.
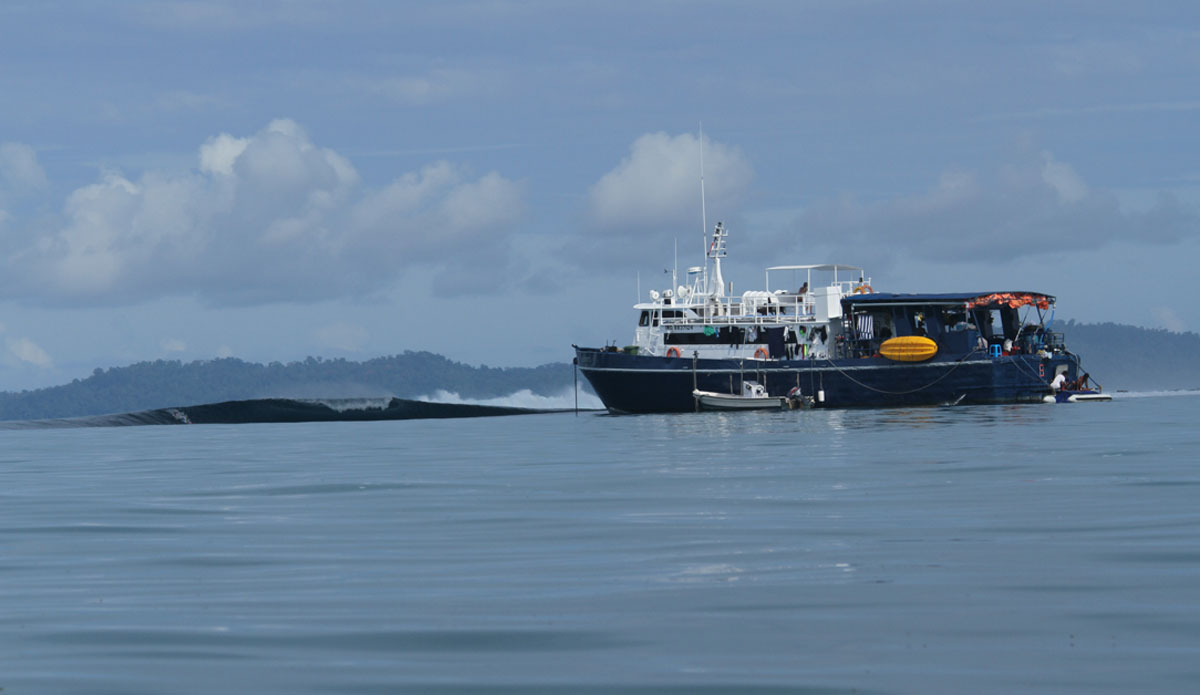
1037	379
950	371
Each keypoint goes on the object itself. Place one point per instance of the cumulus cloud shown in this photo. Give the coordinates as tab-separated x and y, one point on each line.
28	351
218	155
266	217
19	168
658	184
1037	206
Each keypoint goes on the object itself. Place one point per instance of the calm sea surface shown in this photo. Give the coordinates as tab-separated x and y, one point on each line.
1014	549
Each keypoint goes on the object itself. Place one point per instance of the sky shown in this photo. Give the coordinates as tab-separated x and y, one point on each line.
494	180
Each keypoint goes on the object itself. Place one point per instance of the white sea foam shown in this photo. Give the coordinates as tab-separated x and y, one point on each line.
1153	394
521	399
342	405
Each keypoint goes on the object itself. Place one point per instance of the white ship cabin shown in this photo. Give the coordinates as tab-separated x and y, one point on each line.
797	315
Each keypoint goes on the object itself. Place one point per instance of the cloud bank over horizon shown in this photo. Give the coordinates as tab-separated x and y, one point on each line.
273	217
264	218
1036	205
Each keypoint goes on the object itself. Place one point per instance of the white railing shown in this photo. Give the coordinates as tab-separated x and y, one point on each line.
780	309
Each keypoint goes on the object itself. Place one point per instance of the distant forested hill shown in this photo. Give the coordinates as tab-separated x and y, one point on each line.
161	384
1119	357
1135	359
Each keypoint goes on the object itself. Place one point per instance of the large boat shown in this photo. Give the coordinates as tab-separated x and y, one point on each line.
833	341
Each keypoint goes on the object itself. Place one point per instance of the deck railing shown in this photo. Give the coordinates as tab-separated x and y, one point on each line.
780	309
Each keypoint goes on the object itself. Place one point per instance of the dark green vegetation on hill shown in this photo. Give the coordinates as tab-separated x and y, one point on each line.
162	384
1133	358
1119	357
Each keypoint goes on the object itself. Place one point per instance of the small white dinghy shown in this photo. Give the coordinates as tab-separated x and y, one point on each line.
753	397
1085	396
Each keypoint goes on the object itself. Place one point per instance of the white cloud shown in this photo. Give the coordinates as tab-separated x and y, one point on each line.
19	168
173	345
1063	179
268	217
658	184
28	351
476	205
422	215
219	153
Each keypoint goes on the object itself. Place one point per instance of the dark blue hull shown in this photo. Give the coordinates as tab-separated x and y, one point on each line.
629	383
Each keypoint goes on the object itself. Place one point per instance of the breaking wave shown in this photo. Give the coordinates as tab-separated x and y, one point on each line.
347	404
1154	394
521	399
293	410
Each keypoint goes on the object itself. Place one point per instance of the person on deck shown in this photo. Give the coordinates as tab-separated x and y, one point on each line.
1060	380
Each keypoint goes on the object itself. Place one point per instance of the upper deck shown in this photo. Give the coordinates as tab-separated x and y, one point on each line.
816	298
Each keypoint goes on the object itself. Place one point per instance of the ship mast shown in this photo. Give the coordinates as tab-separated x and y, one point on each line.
716	251
703	212
714	286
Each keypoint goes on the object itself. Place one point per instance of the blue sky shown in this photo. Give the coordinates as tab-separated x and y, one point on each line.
489	180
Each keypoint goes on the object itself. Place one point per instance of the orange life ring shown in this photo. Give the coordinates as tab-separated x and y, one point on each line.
761	354
864	289
673	352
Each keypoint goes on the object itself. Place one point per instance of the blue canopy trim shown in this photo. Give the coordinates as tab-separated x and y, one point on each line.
985	300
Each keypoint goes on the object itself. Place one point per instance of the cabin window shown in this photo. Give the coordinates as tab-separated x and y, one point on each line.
655	319
995	324
691	338
644	319
955	320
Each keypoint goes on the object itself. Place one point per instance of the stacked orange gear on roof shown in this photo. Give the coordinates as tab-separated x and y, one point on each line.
1010	299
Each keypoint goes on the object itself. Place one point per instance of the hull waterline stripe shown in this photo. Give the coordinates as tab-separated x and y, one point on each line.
814	368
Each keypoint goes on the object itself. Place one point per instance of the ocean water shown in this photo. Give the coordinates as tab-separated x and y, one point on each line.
1007	549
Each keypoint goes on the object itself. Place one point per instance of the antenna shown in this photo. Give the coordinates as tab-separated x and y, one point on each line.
703	212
